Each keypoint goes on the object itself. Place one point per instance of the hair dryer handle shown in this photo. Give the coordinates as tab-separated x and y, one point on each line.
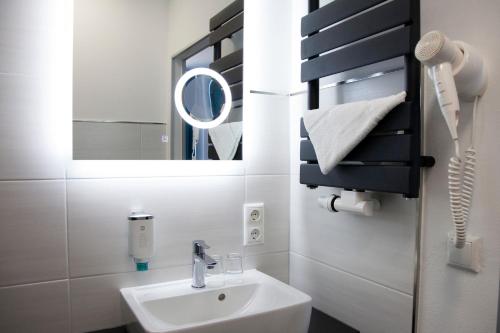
446	91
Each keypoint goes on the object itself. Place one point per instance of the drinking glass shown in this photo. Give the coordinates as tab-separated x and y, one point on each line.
215	273
234	268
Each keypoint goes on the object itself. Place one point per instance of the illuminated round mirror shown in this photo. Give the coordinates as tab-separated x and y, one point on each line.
203	98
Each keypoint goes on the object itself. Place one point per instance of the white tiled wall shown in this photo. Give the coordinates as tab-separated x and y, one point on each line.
153	146
361	303
267	30
24	26
41	307
63	226
268	151
184	209
33	232
453	300
379	248
273	191
28	143
106	141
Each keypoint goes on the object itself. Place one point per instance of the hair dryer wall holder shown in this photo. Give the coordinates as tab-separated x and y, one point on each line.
471	75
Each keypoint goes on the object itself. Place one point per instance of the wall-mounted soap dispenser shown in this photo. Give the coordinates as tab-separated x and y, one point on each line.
141	239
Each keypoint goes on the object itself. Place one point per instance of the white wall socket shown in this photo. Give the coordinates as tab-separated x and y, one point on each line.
253	224
468	257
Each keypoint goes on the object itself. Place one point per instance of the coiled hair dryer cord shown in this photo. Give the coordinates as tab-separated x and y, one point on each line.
461	185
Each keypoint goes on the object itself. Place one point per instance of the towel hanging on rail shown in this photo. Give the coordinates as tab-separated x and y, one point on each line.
226	138
337	131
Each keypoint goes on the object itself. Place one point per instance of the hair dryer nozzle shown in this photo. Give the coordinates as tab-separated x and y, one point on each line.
435	48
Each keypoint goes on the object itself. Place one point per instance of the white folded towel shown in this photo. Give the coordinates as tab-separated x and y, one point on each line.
335	132
226	138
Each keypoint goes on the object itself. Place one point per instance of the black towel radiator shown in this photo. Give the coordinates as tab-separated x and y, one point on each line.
361	33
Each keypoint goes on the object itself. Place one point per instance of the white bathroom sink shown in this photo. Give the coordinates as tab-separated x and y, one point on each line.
258	303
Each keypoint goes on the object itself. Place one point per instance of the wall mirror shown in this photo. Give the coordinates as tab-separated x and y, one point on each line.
131	57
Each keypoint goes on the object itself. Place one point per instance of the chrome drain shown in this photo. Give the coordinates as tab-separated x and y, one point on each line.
222	297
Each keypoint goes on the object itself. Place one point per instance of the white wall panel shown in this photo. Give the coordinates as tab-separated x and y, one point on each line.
42	307
32	232
453	300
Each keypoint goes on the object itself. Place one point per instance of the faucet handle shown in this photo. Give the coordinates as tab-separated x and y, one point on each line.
199	247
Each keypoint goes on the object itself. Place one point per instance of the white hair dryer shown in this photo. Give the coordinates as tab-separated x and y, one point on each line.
457	70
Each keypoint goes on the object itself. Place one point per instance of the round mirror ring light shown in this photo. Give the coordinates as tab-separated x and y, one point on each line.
179	103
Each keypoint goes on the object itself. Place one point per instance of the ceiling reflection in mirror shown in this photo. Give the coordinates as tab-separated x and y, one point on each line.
128	58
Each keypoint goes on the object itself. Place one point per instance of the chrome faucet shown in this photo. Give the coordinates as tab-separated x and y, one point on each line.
201	261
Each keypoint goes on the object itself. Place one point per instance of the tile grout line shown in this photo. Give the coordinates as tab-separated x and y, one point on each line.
66	211
151	177
168	177
168	267
66	177
20	180
289	223
352	274
27	284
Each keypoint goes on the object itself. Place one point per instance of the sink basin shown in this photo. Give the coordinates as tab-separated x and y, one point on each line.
258	303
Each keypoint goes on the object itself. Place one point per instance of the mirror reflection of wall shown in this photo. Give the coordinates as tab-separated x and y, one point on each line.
225	141
128	56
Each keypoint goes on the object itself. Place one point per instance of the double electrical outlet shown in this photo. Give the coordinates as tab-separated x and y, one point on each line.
253	224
